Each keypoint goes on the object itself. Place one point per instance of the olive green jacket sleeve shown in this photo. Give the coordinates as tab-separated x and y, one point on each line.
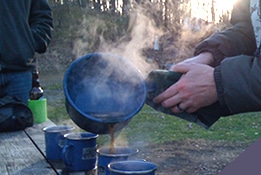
237	72
238	82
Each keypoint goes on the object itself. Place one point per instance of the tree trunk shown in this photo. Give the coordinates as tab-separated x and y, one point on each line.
125	6
113	6
213	11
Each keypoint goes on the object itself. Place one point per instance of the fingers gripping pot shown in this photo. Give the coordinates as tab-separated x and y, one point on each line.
103	90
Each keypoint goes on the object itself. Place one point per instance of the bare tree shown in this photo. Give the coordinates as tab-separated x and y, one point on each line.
213	10
113	6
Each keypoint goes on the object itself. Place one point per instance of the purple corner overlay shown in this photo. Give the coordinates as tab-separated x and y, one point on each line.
249	162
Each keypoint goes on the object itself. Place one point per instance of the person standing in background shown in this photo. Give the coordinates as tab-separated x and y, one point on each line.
25	28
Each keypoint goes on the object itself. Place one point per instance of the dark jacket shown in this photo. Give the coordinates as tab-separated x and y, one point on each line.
25	29
237	72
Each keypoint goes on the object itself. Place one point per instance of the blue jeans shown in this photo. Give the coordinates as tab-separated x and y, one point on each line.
16	84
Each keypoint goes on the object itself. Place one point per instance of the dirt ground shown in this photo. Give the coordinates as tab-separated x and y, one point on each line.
191	157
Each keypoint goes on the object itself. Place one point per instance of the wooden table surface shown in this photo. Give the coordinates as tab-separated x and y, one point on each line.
20	156
23	153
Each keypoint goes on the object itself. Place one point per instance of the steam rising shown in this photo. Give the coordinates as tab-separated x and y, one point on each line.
178	43
140	34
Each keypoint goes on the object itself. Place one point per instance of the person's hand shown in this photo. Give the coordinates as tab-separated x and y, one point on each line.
195	89
203	58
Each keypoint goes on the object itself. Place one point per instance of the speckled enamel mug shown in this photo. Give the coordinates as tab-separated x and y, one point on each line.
105	157
134	167
79	152
54	141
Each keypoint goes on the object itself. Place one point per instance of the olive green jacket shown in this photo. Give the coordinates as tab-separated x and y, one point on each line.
237	71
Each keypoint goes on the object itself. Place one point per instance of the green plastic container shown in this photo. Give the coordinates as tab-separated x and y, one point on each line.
39	109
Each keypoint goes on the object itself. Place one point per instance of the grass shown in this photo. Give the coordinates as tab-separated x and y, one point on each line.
150	126
157	127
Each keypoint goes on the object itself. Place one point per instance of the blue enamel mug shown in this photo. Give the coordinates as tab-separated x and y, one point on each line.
54	141
134	167
105	157
79	152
